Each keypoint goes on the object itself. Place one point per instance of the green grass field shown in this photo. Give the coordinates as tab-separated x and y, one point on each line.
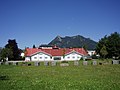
99	77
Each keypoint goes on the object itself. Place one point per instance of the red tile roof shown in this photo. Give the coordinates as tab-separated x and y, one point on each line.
55	52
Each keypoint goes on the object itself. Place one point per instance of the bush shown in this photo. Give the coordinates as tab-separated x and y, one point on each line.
64	62
95	57
82	58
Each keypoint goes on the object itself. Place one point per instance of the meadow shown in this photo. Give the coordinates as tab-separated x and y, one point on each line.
90	77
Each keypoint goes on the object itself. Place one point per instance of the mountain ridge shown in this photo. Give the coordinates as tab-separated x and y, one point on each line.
73	41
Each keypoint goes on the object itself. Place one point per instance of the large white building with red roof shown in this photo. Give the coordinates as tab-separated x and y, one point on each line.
54	53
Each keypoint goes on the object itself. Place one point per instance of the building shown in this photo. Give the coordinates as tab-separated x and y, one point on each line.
44	46
91	52
54	53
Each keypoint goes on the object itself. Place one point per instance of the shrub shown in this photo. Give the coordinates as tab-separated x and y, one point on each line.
64	62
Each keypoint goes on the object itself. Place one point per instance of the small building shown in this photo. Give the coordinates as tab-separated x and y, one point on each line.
44	46
91	52
52	54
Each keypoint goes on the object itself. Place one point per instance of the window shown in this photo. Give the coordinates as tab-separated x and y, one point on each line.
57	58
68	57
40	57
35	57
73	57
46	57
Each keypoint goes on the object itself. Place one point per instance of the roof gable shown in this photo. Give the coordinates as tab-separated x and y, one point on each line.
73	52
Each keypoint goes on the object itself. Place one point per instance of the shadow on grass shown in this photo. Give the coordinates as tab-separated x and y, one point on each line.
3	77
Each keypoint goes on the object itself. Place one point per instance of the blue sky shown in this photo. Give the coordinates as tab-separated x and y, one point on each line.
39	21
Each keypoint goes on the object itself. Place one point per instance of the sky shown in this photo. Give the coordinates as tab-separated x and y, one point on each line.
40	21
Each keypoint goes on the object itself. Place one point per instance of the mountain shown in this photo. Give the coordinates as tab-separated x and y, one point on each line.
73	41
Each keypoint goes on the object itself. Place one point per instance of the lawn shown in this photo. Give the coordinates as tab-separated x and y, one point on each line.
99	77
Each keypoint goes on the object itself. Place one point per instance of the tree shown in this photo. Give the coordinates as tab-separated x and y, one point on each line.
0	49
85	47
0	52
6	53
103	51
14	48
34	46
112	44
100	44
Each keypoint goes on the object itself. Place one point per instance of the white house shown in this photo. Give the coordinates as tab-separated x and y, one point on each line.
61	54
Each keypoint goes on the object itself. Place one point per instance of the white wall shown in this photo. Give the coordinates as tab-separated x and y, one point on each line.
41	57
27	58
44	57
72	56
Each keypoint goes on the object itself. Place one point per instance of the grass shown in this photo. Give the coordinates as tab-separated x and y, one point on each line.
99	77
